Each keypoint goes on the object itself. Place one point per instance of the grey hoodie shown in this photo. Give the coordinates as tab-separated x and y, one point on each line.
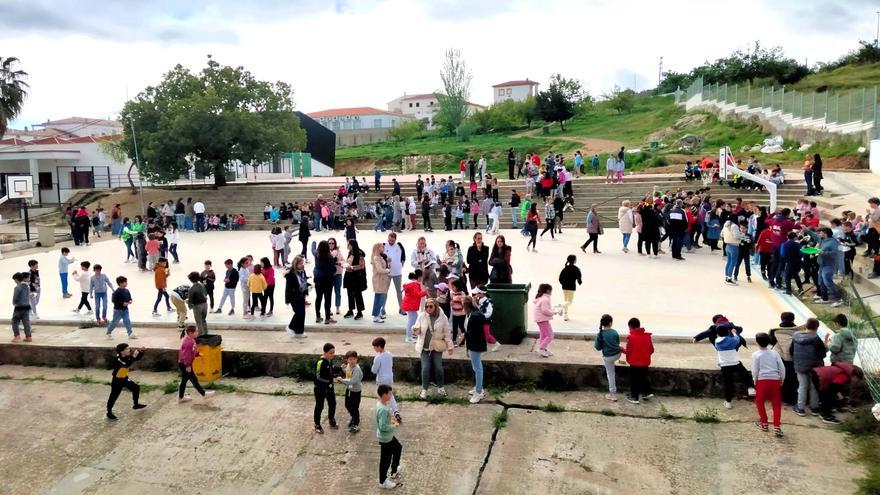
21	298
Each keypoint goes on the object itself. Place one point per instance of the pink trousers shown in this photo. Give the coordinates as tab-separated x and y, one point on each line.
545	334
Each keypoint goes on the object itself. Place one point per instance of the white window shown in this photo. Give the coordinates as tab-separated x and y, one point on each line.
335	125
357	124
417	104
410	105
509	91
377	123
501	92
346	124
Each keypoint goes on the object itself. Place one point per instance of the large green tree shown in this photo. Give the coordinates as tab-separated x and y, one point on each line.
13	91
219	116
452	103
557	102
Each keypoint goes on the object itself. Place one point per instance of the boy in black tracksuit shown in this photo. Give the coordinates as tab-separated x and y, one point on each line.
324	375
125	357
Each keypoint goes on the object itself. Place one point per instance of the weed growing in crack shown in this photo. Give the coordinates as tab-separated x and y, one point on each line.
706	415
552	407
500	419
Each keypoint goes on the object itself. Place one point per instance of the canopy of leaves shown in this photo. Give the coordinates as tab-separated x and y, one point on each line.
219	116
557	102
621	100
452	103
739	67
867	53
13	91
505	115
407	130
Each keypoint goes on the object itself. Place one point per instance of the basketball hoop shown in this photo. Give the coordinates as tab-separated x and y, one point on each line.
20	186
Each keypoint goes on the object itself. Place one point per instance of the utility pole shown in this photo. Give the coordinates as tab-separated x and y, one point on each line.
660	71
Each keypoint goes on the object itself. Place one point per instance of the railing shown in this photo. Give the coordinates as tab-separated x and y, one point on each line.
869	343
858	106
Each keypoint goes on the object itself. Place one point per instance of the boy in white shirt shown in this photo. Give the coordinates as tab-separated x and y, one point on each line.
85	286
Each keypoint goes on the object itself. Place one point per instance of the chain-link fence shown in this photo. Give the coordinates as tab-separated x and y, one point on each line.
857	106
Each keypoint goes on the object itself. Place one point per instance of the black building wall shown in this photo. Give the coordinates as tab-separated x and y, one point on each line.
320	141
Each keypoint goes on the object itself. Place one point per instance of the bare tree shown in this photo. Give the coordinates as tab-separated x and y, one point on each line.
452	103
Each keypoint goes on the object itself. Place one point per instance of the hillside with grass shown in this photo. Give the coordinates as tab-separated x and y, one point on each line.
601	130
842	78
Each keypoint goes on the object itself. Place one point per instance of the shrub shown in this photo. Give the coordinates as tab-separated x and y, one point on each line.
706	415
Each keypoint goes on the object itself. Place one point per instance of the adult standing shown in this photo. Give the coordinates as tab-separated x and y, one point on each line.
532	221
199	210
340	269
304	235
594	230
511	163
650	229
478	262
434	337
325	268
426	213
482	167
116	220
676	227
420	186
396	256
377	179
355	280
626	222
476	346
808	175
499	259
817	174
188	210
180	213
514	208
295	292
381	280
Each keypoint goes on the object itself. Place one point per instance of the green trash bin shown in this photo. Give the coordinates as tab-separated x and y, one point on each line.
509	311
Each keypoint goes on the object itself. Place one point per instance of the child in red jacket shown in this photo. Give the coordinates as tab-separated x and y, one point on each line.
638	350
413	292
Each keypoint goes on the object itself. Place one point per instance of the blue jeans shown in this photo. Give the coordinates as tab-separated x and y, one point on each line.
173	250
732	251
411	317
200	222
100	305
826	280
514	210
188	223
477	365
129	254
63	284
378	301
626	237
337	288
179	219
317	219
119	314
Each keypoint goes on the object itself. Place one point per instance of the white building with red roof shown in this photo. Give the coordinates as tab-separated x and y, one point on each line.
63	163
359	125
514	90
422	106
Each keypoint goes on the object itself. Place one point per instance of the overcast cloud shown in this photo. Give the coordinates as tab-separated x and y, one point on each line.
86	57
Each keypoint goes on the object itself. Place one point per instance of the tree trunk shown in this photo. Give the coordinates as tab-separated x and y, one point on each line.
561	126
130	180
219	175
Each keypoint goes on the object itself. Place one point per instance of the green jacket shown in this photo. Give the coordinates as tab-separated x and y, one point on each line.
131	231
384	428
843	346
524	208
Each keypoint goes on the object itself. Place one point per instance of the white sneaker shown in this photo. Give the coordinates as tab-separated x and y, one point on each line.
396	475
376	319
88	311
109	337
495	347
611	397
728	405
155	313
836	304
208	393
478	396
388	485
75	311
543	353
423	394
565	318
441	391
472	391
185	398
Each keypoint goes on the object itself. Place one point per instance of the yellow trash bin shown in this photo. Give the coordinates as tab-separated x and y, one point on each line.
208	365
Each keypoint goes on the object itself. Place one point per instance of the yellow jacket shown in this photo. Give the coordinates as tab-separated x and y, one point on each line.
257	283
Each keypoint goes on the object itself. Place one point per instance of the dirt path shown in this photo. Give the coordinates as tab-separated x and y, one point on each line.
588	146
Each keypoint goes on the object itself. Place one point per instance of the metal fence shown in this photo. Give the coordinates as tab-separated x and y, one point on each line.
857	106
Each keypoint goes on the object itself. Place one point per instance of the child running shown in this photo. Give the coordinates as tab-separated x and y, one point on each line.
185	357
543	313
160	278
85	286
121	301
768	372
727	343
390	449
569	278
125	357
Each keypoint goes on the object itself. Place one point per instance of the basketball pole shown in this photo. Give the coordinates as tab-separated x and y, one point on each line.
27	223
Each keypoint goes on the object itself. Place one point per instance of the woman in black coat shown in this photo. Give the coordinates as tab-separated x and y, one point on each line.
304	233
817	173
295	291
355	280
650	229
478	262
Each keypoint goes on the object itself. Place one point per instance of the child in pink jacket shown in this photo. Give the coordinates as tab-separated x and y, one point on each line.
185	357
543	313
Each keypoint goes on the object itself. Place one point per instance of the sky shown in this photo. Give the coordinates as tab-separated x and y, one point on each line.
87	57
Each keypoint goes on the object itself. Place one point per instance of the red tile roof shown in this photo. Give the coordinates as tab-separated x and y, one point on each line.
525	82
14	142
55	140
343	112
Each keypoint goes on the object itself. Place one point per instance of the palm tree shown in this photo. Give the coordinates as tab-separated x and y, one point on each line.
13	91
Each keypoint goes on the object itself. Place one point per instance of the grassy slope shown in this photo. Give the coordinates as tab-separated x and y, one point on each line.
649	115
847	77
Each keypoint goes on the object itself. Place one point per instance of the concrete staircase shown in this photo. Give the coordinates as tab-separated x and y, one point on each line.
250	199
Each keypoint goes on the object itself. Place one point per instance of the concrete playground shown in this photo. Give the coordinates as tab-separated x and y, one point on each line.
672	298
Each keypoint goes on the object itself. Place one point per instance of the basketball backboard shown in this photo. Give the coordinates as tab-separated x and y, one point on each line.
20	186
